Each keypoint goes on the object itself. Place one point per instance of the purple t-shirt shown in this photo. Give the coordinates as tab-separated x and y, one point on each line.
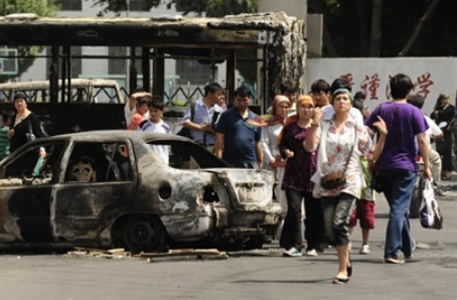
404	122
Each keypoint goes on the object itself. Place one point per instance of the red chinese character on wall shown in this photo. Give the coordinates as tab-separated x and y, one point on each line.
348	78
370	86
423	83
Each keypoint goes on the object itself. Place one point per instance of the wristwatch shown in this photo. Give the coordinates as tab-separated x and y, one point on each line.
314	124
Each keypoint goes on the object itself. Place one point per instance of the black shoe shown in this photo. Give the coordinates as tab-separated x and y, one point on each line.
349	266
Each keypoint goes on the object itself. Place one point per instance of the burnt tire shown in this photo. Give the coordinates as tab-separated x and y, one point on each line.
143	233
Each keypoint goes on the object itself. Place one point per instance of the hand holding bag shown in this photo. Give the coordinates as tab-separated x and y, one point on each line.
429	213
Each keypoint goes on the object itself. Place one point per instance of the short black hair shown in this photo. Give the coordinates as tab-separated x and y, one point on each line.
416	100
357	103
359	95
287	87
20	95
340	83
400	86
243	92
320	86
142	100
212	88
7	114
156	103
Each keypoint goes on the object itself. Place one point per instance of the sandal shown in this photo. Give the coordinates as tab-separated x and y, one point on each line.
337	280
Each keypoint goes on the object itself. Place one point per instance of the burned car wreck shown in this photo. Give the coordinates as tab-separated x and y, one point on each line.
111	189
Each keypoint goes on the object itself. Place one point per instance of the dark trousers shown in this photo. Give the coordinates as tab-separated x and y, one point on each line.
337	213
314	223
291	233
444	148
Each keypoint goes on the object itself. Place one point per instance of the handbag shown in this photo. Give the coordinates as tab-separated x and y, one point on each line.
429	213
376	182
333	180
30	136
336	179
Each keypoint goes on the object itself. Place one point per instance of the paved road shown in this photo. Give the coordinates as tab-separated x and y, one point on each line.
260	274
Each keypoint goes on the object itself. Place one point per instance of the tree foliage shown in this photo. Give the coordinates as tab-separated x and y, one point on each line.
387	27
39	7
215	8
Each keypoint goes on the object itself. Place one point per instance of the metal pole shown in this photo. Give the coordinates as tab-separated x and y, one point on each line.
127	63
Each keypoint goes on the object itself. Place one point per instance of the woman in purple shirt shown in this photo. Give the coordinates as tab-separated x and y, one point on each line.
300	166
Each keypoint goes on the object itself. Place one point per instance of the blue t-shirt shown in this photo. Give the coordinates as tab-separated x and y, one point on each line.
240	137
404	121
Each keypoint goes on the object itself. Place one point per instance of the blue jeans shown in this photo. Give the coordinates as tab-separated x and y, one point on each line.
398	189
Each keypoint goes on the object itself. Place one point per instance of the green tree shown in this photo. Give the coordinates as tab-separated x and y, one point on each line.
387	27
27	54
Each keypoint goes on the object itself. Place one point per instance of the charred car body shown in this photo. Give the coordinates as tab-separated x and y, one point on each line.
110	188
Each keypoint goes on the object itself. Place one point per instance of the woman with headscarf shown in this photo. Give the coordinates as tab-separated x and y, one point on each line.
341	142
300	166
272	127
25	125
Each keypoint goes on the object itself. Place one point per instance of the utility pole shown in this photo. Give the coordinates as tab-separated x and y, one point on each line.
127	63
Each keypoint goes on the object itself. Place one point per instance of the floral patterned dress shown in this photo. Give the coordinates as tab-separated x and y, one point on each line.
338	148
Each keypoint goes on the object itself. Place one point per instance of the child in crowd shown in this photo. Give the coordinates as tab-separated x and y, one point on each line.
364	211
157	125
4	140
141	109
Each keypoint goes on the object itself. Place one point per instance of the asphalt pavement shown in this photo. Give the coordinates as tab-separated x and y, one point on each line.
258	274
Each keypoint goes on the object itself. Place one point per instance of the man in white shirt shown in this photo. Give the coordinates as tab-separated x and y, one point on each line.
201	119
433	132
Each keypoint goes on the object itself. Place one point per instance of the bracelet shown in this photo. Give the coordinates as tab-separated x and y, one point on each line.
314	124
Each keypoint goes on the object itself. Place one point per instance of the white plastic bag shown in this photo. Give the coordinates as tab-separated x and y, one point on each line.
429	213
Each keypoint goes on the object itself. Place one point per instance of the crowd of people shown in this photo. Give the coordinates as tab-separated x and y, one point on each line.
323	149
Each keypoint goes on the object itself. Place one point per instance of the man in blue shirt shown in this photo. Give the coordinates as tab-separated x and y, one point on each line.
237	141
205	112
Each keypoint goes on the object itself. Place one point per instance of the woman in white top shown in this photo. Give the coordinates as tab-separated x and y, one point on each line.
273	126
341	142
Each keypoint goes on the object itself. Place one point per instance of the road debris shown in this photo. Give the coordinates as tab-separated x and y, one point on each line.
185	255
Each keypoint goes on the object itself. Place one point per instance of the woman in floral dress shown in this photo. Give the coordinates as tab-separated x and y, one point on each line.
341	142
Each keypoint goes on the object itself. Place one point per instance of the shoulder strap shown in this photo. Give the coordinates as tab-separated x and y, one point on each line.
29	124
193	103
143	125
352	149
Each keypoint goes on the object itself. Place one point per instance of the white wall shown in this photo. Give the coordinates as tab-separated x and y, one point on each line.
431	76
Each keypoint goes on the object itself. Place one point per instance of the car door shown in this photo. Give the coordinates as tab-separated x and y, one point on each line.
26	196
99	184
